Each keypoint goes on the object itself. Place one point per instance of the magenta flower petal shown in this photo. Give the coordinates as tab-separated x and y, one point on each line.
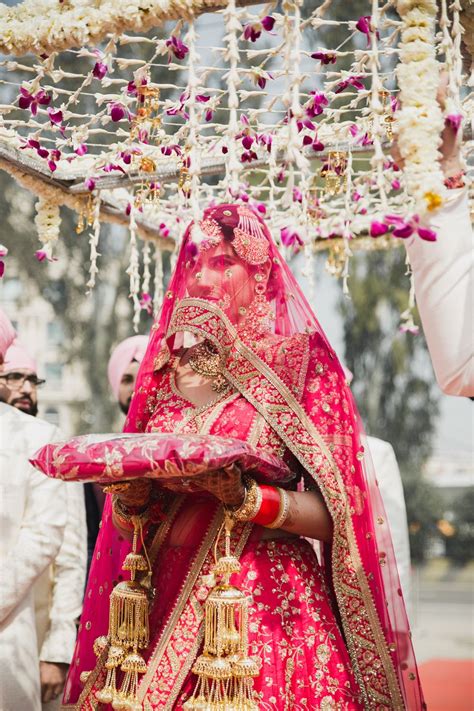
41	255
427	234
42	152
247	142
117	112
81	150
325	57
100	70
403	232
377	229
89	183
395	184
268	22
317	145
454	121
202	98
24	102
55	117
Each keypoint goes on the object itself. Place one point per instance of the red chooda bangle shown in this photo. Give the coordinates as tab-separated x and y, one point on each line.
270	505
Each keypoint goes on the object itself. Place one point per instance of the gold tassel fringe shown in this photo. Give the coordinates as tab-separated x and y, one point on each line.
225	671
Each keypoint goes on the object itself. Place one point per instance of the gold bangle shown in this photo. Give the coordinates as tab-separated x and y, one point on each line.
251	503
123	513
283	510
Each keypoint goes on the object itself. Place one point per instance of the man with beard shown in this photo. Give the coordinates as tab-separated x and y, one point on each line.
122	372
58	591
123	368
33	516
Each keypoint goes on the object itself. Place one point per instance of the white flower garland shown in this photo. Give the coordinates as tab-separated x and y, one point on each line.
46	26
47	221
420	120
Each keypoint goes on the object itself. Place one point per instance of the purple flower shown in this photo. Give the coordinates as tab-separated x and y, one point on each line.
378	228
248	156
454	121
427	234
265	139
317	145
109	167
208	115
3	254
146	303
117	111
81	150
350	81
27	100
315	106
356	196
325	57
56	117
291	238
364	25
353	130
202	98
268	22
247	142
41	255
100	70
176	47
409	328
395	184
297	195
89	183
260	79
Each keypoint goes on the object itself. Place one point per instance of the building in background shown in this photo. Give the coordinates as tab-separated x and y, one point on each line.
42	334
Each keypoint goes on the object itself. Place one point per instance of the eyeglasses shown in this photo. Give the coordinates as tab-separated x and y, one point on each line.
17	380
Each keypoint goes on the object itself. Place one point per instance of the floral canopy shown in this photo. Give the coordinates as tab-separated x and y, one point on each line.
291	108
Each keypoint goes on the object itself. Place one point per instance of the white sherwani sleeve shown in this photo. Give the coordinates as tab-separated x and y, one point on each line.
68	578
444	288
38	541
391	491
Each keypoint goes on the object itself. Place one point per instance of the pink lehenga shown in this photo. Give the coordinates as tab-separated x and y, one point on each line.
330	629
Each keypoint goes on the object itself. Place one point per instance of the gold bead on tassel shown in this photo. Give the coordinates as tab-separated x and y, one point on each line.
225	671
128	632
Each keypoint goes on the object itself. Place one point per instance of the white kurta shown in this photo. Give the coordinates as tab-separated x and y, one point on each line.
443	274
59	591
32	520
391	490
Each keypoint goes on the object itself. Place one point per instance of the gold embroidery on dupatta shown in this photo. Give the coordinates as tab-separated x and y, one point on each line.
306	443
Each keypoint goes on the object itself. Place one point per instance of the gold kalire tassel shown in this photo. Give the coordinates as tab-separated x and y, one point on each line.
128	632
225	671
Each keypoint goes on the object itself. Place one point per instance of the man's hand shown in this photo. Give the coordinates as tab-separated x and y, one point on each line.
52	678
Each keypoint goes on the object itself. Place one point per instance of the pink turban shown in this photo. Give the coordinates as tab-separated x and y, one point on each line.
7	333
17	358
130	349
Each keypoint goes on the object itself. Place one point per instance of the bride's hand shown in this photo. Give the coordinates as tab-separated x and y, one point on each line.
132	494
225	484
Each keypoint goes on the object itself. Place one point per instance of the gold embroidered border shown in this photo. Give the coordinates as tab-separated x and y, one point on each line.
193	574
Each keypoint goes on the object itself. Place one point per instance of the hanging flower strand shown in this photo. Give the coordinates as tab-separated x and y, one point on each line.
419	121
47	221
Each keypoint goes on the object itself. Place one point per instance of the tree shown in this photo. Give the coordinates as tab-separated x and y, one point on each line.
393	379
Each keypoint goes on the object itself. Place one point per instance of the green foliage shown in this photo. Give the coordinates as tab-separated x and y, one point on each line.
424	509
393	381
460	546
